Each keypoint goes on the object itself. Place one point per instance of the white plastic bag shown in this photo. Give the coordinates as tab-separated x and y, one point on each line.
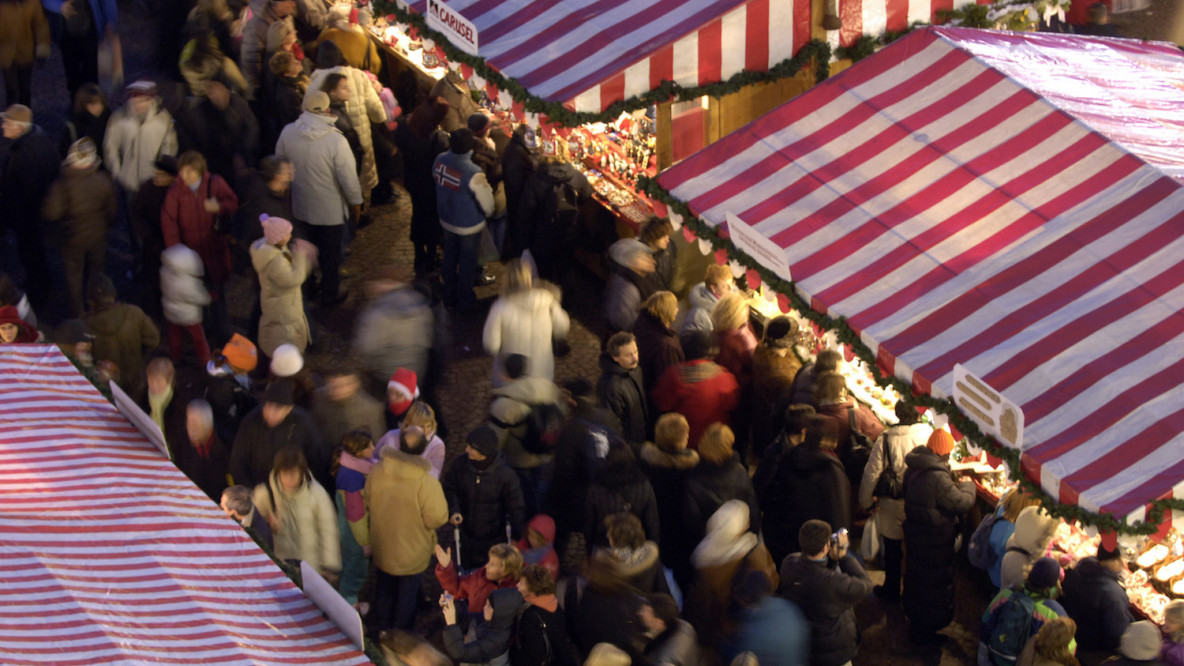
869	545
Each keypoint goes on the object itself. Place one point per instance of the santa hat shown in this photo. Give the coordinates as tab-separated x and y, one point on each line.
404	382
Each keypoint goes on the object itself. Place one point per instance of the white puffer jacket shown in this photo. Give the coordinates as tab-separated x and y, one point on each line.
901	440
525	323
308	523
132	145
183	293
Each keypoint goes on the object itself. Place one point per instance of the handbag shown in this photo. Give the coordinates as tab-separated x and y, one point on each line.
890	485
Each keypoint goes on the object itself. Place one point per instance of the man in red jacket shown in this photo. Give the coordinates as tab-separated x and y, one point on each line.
699	389
192	208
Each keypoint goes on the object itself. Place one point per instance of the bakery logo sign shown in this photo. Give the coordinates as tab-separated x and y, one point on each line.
458	29
988	408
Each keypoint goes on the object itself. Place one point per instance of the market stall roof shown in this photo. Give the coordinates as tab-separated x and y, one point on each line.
109	554
1008	201
591	53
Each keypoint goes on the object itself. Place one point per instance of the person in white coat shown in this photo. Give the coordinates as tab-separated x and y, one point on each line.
325	187
525	320
283	265
138	134
890	450
302	517
183	297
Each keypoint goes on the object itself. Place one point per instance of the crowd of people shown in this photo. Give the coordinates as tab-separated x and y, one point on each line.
693	504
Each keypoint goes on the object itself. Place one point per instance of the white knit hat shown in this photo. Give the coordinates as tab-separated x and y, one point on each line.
286	361
1141	641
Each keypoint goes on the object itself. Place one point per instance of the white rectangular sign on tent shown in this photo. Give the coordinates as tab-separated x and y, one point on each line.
758	246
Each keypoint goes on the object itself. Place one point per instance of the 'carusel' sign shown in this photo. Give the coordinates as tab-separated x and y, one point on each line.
458	29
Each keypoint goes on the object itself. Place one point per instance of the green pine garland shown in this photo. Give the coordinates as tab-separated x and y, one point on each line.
847	336
814	51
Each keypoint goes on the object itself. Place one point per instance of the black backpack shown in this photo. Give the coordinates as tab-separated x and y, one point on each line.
544	423
562	209
1011	628
890	485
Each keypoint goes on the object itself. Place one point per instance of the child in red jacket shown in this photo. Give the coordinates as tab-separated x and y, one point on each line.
502	570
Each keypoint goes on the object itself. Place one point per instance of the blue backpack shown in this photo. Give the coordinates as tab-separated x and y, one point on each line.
979	552
1011	629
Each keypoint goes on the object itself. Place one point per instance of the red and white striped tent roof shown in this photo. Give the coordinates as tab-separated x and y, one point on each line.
1009	201
590	53
109	554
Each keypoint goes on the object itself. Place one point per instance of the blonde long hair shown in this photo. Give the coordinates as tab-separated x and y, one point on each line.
729	314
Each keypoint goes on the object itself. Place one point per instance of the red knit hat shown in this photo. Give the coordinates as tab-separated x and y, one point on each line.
24	332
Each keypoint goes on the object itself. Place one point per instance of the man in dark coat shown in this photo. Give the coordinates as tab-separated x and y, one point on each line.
519	161
221	127
551	238
228	388
203	457
144	216
483	494
589	428
826	582
278	424
622	389
1095	599
236	502
809	484
30	164
933	504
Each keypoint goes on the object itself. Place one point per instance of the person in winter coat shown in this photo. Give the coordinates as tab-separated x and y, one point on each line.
30	165
401	489
1043	586
1009	508
828	360
13	329
88	117
1051	646
540	633
144	213
82	203
395	330
203	60
537	545
1034	530
527	320
729	546
483	497
300	513
717	283
1141	645
282	99
718	478
634	559
833	401
228	386
236	503
274	426
464	200
621	387
203	457
933	504
220	126
619	486
420	140
1094	597
24	37
455	91
122	332
826	582
138	134
357	49
519	161
774	365
283	265
83	24
1172	652
552	235
631	263
655	234
509	415
363	107
698	388
607	610
254	44
337	87
419	422
353	522
184	296
192	208
341	406
491	643
671	638
268	193
813	486
771	629
888	453
657	343
579	452
501	571
163	406
325	189
666	462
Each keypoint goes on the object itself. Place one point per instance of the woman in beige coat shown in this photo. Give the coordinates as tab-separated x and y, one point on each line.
282	268
363	107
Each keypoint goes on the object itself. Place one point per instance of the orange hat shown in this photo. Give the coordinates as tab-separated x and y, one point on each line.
240	353
941	442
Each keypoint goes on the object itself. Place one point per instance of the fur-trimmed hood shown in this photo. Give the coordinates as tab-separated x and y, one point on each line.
628	563
655	457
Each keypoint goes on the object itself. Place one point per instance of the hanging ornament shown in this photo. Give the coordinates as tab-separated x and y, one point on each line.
830	16
721	257
704	247
505	99
688	235
736	267
476	81
675	219
532	120
754	279
783	303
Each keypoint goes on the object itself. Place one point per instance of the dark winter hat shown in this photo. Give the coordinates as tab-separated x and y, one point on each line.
167	164
1105	553
478	122
483	440
1045	573
280	392
698	345
781	332
329	55
101	289
461	141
